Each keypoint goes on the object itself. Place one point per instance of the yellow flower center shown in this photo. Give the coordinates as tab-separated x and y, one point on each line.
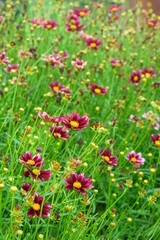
135	78
148	75
31	162
36	172
114	9
157	143
77	184
111	44
133	159
13	70
55	88
150	23
93	45
36	206
74	124
49	26
97	90
82	13
72	21
106	158
73	27
58	135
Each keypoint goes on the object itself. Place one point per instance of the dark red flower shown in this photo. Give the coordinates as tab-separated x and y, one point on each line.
59	132
26	187
75	121
50	24
45	116
54	86
107	158
93	43
135	77
28	159
153	23
74	27
39	208
98	90
36	173
149	73
81	12
78	183
73	18
156	139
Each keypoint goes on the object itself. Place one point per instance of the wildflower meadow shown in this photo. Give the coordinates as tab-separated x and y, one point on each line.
79	120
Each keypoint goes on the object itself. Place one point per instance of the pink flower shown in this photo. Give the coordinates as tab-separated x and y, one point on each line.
75	121
37	21
73	19
28	159
79	64
98	90
114	8
135	77
107	158
156	139
50	24
81	12
45	116
93	43
39	208
116	63
12	68
135	158
53	60
59	132
78	183
3	58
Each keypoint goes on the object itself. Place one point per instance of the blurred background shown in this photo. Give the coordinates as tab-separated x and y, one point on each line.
155	4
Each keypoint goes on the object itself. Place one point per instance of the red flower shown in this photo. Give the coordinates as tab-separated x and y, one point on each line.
81	12
26	187
54	86
45	116
135	77
75	121
135	158
73	19
50	24
116	63
59	132
153	23
98	90
149	73
93	43
28	159
78	182
12	68
107	158
114	8
156	139
39	209
79	64
36	173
